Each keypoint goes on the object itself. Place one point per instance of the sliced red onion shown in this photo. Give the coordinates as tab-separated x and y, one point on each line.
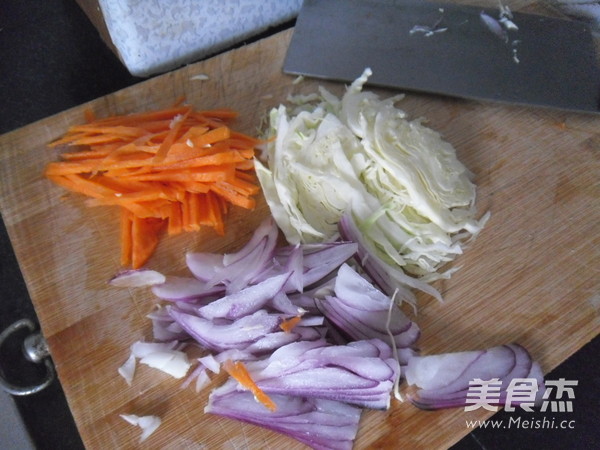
229	334
256	263
241	268
391	280
360	373
308	263
137	278
360	311
200	376
186	289
306	300
202	380
249	300
295	266
318	423
210	363
444	380
282	303
326	260
204	266
234	354
312	321
266	229
164	327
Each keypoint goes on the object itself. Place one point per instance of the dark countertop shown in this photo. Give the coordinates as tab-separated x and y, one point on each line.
52	59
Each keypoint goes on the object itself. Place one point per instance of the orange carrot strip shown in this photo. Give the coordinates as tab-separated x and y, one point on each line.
120	186
66	139
145	234
208	174
175	221
250	177
289	324
239	372
99	139
195	206
216	159
85	154
196	187
116	130
89	187
186	212
182	152
129	161
212	136
215	216
241	138
66	168
171	137
144	117
204	217
149	195
126	237
241	186
143	210
232	196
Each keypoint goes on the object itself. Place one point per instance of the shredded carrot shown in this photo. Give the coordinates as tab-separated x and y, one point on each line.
126	245
175	169
289	324
239	371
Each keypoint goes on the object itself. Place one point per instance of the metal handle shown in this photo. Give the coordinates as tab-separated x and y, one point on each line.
36	351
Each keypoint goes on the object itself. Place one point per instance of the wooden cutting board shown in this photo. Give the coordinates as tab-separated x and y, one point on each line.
531	276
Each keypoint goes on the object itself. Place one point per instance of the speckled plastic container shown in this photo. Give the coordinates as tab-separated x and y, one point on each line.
153	36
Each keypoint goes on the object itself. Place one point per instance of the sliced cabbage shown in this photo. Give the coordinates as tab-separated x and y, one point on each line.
404	185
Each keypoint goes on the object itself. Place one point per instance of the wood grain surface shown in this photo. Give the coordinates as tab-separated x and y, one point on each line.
531	276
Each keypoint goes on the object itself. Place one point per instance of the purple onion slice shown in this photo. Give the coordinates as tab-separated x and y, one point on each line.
186	289
236	334
446	380
361	373
249	300
318	423
361	311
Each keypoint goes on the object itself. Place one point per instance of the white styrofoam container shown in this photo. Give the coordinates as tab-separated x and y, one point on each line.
154	36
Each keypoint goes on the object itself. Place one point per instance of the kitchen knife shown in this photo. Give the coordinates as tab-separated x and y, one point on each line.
449	49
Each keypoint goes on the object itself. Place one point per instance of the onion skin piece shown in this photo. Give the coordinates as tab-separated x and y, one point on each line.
443	380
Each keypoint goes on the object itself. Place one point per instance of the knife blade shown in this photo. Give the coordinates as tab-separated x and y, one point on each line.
449	49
